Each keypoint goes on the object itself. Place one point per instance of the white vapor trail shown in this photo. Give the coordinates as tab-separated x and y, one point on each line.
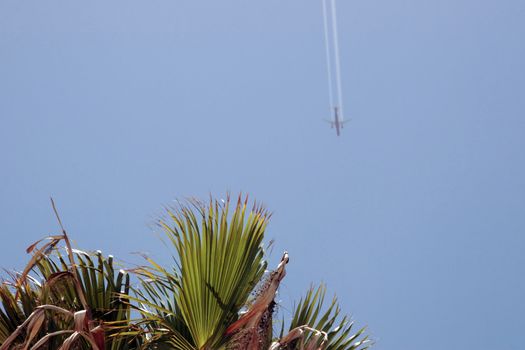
333	38
328	57
337	63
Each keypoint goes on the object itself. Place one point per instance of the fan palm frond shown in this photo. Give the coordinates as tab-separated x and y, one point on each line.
219	256
49	312
311	326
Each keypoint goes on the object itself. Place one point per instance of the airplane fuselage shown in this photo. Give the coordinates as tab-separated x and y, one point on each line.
337	122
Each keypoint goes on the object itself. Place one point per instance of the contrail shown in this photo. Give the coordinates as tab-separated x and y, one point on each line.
328	57
337	63
332	42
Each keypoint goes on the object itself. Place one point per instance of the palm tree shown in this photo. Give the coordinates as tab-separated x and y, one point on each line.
217	296
207	301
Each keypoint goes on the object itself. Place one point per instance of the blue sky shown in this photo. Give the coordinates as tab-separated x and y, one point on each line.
415	216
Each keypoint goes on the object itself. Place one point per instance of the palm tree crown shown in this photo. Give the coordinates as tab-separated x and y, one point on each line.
217	296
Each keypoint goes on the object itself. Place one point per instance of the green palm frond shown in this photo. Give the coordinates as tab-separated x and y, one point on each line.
102	288
17	303
99	281
220	260
161	317
101	285
309	311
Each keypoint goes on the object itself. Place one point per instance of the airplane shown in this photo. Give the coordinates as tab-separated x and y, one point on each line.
338	124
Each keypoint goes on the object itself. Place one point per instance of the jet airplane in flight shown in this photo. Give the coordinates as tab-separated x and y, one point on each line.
336	122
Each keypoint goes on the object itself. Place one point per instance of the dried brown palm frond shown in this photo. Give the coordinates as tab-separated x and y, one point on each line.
297	338
253	330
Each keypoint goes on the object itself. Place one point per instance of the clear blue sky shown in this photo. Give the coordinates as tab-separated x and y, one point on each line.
415	216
